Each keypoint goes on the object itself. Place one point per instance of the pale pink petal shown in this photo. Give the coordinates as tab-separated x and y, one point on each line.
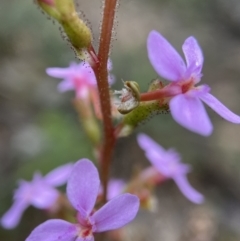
12	217
190	113
85	72
59	175
148	144
65	85
54	230
116	213
83	186
221	109
164	58
60	73
193	54
187	190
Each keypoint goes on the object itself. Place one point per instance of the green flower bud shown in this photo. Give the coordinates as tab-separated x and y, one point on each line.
76	30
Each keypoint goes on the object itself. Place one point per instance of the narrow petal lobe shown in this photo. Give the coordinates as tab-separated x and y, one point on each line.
220	109
59	175
187	190
116	213
164	58
12	217
148	144
193	54
83	186
60	73
190	113
54	230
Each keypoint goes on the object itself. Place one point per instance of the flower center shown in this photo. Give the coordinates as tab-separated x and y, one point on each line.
86	232
186	85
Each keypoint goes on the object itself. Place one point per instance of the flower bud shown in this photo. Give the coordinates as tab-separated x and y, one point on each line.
76	30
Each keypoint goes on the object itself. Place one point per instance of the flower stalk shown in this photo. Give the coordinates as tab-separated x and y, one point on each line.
101	72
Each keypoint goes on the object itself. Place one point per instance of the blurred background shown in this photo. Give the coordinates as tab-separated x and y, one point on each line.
39	128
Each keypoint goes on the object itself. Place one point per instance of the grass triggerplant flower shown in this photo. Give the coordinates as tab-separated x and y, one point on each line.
186	106
40	193
82	191
81	78
168	163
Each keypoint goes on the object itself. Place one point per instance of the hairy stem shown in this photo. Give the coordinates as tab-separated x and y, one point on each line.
101	72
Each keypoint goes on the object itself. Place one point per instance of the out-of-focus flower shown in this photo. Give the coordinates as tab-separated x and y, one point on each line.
186	105
78	76
81	78
40	193
82	191
168	163
115	188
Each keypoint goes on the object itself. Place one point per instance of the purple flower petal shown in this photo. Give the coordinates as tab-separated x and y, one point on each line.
187	190
148	144
54	230
193	54
190	113
116	213
161	163
164	58
12	217
83	186
88	238
218	107
59	175
115	188
43	196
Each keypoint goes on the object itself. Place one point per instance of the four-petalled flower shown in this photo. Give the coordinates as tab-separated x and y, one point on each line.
168	163
82	191
186	106
40	193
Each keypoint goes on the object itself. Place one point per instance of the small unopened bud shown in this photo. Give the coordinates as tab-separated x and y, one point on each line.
129	97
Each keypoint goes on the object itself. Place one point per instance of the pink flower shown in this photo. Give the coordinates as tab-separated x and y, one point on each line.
186	106
81	78
168	163
40	193
82	190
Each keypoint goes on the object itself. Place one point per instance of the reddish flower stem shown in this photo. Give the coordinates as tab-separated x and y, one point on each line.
166	92
101	72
